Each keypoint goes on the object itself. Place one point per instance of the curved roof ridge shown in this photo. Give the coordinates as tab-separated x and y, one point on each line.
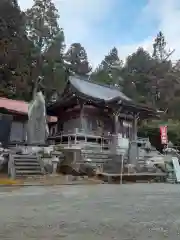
96	83
96	91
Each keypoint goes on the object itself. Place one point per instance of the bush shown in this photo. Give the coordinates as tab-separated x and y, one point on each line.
152	130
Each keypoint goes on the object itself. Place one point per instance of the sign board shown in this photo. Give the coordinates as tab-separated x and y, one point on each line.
163	132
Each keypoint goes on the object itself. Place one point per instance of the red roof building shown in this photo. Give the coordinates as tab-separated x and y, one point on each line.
19	112
18	107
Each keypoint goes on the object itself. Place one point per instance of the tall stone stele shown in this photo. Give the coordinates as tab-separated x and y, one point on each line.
37	125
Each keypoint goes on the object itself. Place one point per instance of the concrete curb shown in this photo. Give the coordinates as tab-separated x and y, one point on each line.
36	185
46	185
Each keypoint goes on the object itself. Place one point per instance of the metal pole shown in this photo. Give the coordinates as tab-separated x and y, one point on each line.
122	167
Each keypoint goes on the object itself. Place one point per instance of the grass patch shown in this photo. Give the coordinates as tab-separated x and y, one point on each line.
7	181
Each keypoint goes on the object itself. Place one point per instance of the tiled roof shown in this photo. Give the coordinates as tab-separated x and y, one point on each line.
97	91
84	88
18	107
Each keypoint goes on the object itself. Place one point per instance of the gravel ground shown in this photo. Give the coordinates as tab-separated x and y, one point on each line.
137	211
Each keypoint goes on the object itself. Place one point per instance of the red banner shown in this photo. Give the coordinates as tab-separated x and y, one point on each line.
164	137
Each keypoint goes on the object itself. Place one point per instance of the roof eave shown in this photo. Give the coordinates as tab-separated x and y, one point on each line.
5	110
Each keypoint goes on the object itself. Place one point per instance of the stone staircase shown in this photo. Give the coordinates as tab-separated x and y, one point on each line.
106	159
112	167
171	171
109	163
94	153
25	166
95	157
171	177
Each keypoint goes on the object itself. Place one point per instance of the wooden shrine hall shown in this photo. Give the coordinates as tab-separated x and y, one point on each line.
90	112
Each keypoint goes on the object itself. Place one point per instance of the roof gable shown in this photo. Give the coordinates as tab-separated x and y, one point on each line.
81	87
97	91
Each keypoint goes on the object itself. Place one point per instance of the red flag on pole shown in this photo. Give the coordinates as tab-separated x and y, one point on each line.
163	132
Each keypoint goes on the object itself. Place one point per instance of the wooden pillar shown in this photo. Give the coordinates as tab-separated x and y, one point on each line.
135	122
115	132
82	116
116	123
133	148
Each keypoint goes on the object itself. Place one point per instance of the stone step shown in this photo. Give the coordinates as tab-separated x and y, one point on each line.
97	159
95	152
21	163
28	172
91	157
25	160
28	167
171	180
24	156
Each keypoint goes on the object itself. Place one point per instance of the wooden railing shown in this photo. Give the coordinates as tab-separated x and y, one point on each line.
78	131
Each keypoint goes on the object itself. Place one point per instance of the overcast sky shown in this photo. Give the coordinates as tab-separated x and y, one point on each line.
127	24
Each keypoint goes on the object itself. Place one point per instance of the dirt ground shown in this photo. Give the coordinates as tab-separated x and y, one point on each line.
130	211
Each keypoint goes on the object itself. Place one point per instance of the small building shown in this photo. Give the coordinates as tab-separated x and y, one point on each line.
13	120
93	113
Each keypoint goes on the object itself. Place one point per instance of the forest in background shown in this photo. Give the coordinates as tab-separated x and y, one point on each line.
33	53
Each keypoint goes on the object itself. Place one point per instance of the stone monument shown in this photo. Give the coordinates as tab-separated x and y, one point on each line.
37	125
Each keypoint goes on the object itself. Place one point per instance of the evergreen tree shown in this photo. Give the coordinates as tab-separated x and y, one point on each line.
14	50
48	40
77	59
109	71
162	69
42	23
137	72
54	72
110	60
159	47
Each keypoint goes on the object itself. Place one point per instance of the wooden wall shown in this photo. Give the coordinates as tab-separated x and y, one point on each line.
87	118
91	119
